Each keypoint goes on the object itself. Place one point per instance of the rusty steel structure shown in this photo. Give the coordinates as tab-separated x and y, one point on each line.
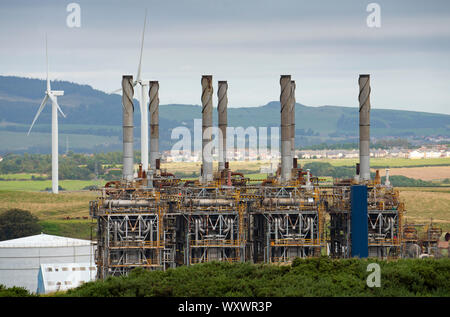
159	221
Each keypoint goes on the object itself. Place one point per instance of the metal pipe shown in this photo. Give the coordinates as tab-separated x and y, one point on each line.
222	110
286	160
207	107
128	203
154	122
283	201
209	202
308	179
128	110
364	126
387	182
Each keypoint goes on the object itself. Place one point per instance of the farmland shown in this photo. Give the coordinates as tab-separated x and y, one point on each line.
427	173
23	191
422	204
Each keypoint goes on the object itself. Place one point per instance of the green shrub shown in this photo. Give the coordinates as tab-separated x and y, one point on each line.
14	292
305	277
17	223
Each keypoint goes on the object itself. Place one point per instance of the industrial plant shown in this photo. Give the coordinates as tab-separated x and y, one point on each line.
159	221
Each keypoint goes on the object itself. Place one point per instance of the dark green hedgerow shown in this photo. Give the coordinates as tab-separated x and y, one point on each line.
305	277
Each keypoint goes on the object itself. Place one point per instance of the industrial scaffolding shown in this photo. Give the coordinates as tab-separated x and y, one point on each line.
159	221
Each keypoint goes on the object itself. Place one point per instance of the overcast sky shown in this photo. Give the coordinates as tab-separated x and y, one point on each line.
324	45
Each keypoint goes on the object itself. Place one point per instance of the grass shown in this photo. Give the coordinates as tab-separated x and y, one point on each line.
35	185
20	176
52	209
422	204
47	206
79	229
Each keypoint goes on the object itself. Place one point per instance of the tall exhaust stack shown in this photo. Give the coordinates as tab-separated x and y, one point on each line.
286	159
154	122
364	126
222	110
293	119
127	126
207	109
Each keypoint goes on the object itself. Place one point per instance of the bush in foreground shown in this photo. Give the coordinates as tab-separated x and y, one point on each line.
305	277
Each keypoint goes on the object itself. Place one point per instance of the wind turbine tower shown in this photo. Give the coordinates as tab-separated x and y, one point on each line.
52	95
142	104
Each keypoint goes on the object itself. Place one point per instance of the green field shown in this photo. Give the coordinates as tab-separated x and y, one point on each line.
32	185
18	176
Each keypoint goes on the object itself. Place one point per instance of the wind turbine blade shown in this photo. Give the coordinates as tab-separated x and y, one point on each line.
116	91
46	58
38	113
138	77
53	99
60	110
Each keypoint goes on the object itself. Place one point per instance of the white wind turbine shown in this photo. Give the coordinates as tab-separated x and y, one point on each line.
52	95
142	104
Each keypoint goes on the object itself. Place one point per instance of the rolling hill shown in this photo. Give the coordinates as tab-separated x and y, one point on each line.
94	119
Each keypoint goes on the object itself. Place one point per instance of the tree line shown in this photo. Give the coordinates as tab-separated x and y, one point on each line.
380	144
71	165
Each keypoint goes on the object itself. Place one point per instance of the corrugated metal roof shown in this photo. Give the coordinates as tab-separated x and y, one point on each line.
43	240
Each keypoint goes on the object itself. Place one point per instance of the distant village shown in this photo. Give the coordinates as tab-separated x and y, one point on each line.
436	151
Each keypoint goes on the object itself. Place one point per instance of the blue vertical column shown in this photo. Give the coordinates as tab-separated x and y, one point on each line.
359	222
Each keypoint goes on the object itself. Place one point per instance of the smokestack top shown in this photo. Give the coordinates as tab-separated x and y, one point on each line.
364	75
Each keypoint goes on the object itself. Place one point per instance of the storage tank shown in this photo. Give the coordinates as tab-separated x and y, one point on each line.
20	259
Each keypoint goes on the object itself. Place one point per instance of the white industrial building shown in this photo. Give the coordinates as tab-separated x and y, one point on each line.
21	259
61	277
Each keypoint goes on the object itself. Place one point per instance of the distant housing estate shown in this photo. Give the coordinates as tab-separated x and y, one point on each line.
253	155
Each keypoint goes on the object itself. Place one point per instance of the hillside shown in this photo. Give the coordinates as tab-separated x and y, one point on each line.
94	119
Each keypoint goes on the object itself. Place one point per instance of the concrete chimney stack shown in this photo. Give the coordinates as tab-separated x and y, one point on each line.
293	119
128	111
154	122
364	127
223	123
207	109
286	159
